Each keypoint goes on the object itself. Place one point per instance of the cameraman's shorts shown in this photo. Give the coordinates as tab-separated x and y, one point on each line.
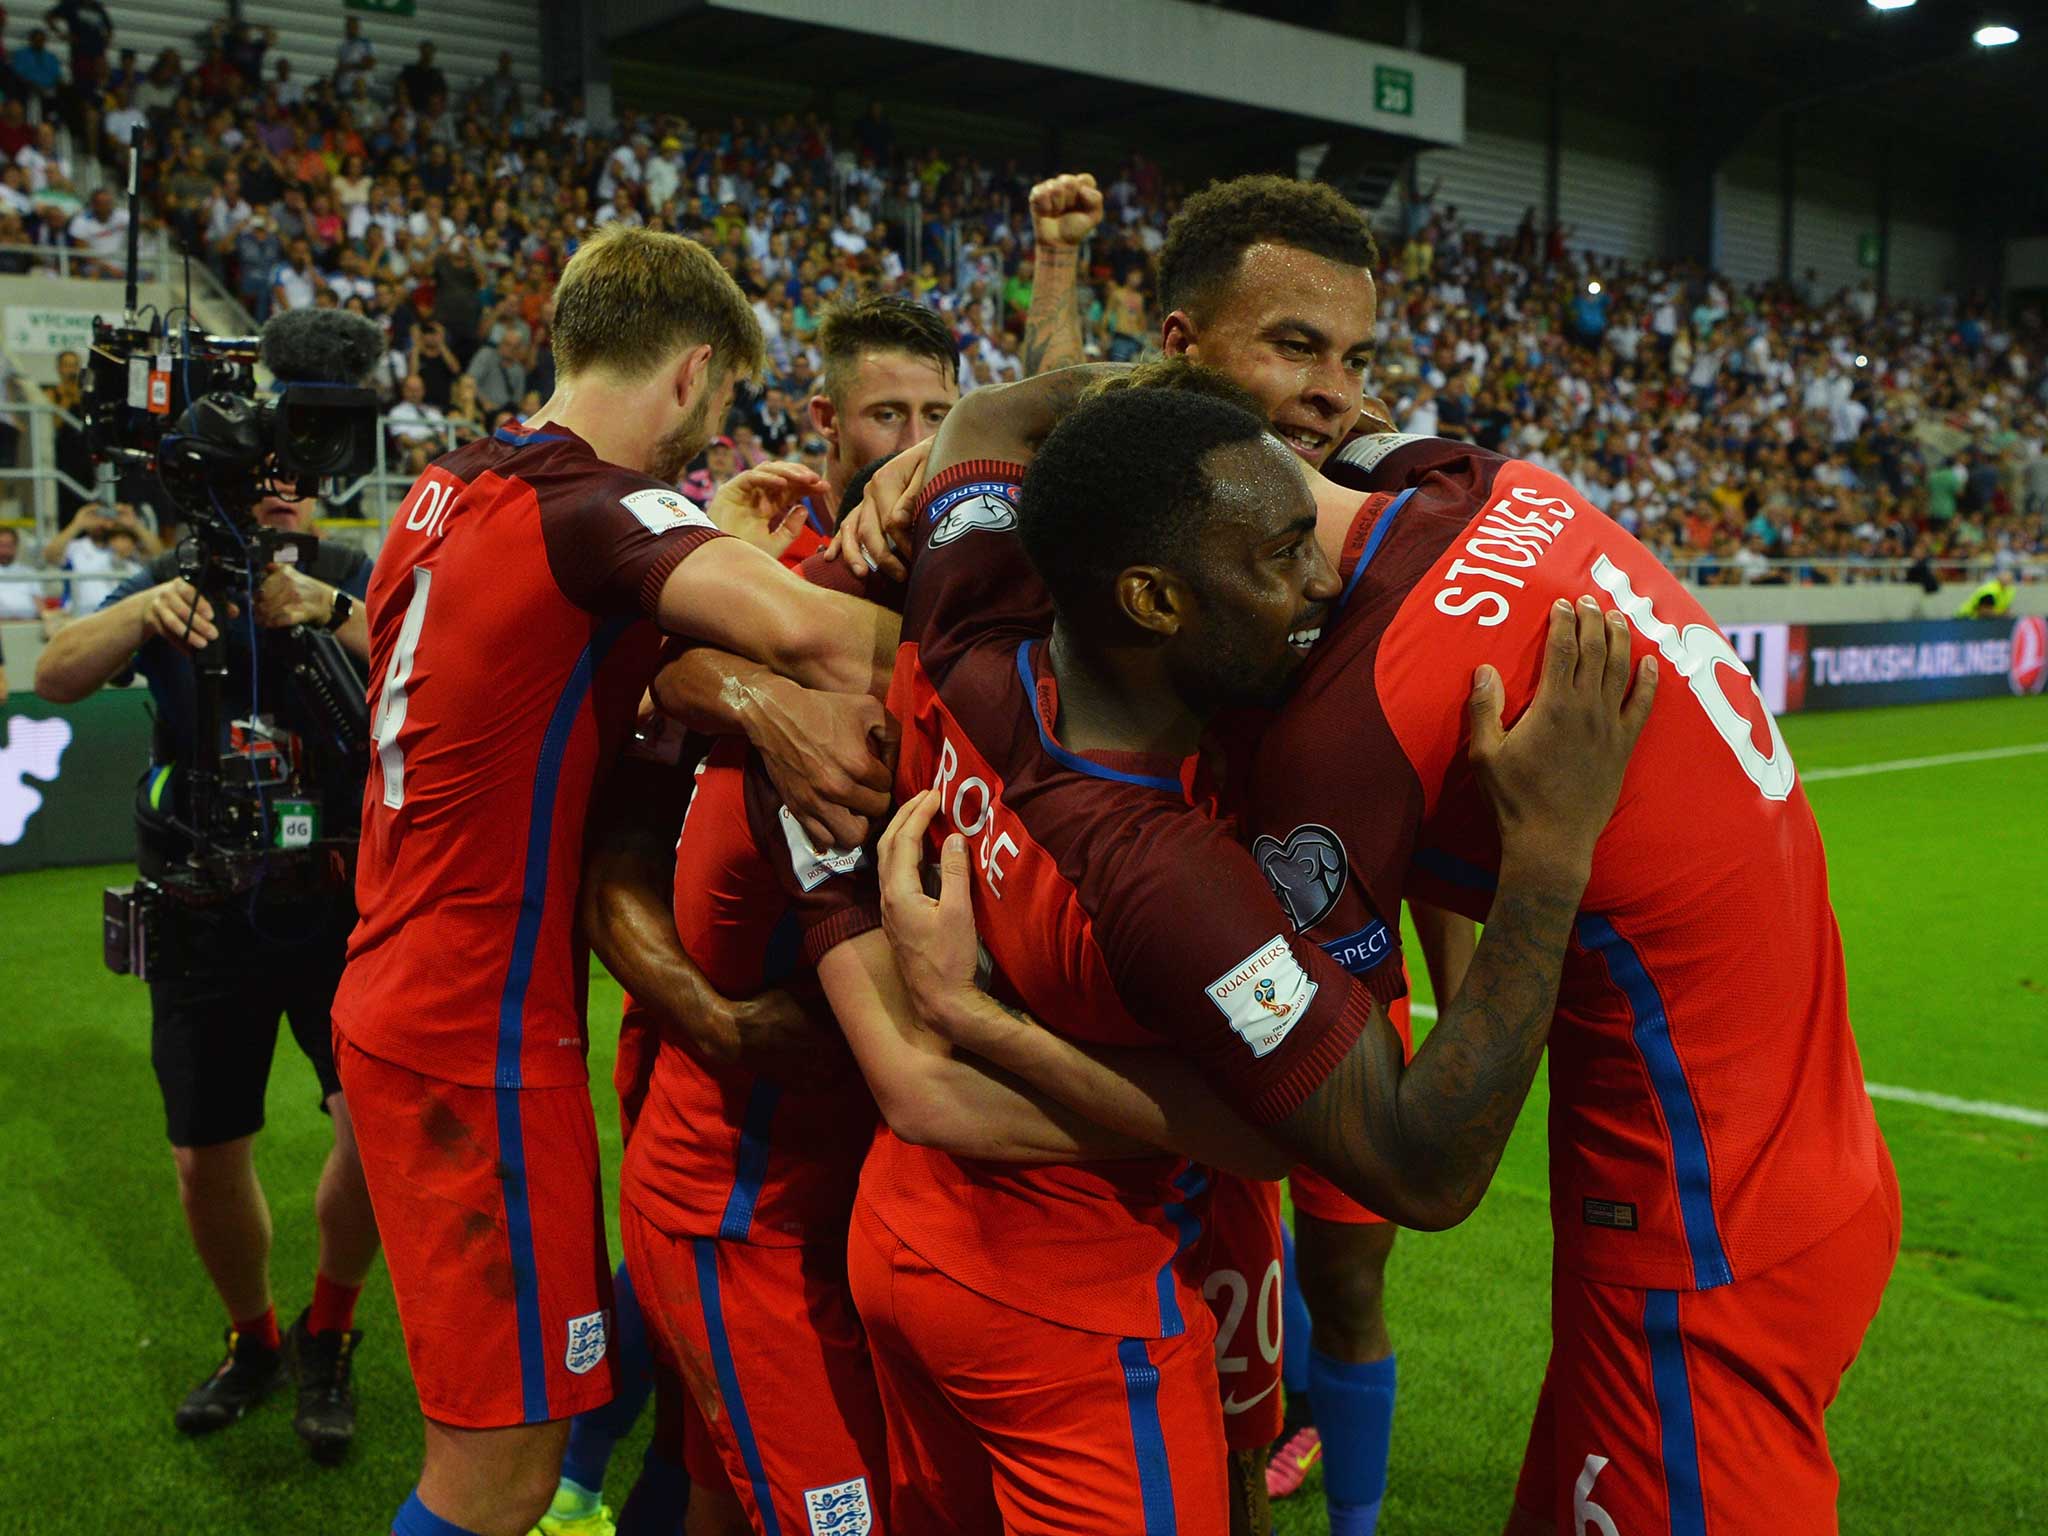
487	1202
212	1037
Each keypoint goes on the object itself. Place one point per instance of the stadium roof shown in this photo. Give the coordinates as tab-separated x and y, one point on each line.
1914	71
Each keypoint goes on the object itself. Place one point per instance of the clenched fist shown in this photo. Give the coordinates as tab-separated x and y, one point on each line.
1065	209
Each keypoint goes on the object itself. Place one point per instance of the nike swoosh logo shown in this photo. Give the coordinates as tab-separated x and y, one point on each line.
1232	1405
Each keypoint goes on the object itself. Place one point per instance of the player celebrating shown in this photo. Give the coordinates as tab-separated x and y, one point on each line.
1270	281
507	656
1724	1207
891	374
1021	1388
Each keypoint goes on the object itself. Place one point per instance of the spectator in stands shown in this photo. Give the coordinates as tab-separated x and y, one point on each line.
85	25
419	431
498	370
422	81
161	87
37	67
101	232
44	162
435	363
294	281
468	415
501	91
721	463
355	59
258	253
101	550
18	599
14	196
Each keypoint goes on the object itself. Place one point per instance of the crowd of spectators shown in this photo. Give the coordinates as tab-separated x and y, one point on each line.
1728	428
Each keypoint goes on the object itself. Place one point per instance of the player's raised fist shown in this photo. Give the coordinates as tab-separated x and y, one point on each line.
1065	209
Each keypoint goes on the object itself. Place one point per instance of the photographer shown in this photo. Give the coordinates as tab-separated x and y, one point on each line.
248	959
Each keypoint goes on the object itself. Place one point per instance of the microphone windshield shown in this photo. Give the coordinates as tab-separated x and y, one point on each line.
321	346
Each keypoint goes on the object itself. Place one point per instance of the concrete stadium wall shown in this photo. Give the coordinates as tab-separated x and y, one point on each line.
467	34
1843	605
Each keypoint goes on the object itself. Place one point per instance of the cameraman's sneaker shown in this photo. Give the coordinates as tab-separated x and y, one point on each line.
243	1380
326	1419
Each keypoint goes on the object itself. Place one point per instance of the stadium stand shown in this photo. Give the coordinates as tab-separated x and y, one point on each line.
1838	439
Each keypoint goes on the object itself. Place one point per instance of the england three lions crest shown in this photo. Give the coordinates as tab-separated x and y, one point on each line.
840	1510
586	1344
1307	872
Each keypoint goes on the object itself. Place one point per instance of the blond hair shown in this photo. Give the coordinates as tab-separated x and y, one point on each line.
630	299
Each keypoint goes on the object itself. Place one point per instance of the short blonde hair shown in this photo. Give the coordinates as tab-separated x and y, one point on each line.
630	299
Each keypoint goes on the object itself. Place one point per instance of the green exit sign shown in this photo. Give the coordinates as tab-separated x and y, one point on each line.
1869	252
1393	90
382	7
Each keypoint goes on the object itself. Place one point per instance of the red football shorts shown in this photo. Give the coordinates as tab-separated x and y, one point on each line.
1239	1262
781	1403
1314	1195
1695	1411
487	1202
1001	1421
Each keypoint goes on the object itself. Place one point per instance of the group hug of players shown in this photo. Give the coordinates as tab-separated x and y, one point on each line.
952	1125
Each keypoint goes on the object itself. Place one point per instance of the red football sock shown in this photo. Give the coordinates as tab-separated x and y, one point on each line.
334	1306
262	1329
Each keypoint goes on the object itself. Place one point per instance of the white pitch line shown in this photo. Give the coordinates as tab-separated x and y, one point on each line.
1899	765
2018	1114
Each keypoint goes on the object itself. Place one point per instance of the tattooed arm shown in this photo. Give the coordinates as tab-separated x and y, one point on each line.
1065	211
1421	1144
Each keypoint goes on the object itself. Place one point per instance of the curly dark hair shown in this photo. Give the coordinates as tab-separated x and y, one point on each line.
880	323
1121	482
1213	229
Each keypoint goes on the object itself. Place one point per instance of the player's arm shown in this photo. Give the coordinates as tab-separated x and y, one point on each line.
931	1097
934	1095
1448	942
1064	212
628	915
1432	1135
827	752
735	597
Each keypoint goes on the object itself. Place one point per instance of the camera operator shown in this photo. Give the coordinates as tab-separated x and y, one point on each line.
255	956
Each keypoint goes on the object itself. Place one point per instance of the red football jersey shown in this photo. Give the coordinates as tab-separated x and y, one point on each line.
1112	908
721	1151
1708	1117
507	654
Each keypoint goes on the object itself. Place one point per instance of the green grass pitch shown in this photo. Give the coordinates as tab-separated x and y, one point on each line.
1941	884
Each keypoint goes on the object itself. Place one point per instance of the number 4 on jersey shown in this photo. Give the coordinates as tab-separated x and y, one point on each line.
391	698
1700	653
